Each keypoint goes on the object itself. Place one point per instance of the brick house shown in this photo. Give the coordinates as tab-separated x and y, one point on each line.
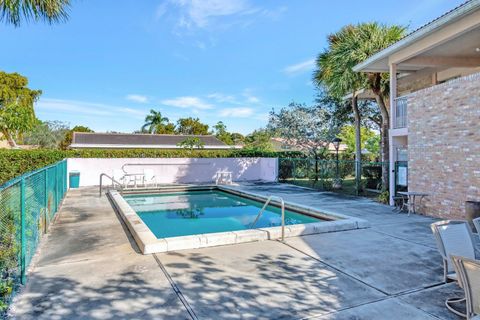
435	110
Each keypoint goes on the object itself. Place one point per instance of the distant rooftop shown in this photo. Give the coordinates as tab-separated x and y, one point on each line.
140	141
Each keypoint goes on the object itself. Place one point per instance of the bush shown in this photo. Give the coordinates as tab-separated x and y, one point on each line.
17	162
373	175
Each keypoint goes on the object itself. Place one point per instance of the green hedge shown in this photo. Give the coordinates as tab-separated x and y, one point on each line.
16	162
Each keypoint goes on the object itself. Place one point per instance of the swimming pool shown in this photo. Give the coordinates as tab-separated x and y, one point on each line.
199	212
191	217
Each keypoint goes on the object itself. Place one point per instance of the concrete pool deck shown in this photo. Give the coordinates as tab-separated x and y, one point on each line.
89	267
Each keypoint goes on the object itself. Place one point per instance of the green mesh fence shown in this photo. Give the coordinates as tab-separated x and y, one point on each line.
343	176
27	205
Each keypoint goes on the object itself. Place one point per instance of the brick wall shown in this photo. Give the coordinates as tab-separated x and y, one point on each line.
444	145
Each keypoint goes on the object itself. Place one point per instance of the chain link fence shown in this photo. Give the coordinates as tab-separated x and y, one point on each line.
343	176
27	205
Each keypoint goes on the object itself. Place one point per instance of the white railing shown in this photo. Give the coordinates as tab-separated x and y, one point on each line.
282	204
400	113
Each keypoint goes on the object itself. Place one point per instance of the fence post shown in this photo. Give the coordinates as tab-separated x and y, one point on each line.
55	187
23	245
294	169
45	200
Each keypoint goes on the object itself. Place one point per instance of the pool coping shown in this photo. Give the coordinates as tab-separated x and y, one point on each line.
148	243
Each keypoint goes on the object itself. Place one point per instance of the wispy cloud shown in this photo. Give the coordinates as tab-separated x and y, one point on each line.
137	98
248	95
242	112
86	108
199	13
192	14
300	67
188	102
220	97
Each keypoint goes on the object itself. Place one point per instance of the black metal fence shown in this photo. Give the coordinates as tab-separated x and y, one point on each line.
343	176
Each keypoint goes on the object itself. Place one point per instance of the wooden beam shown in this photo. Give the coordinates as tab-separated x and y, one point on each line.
444	61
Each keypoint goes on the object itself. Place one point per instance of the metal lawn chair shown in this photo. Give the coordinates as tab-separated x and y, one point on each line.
468	271
453	238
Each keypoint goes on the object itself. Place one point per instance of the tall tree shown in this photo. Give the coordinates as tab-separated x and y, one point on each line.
156	123
374	37
222	134
306	128
17	115
13	11
335	73
67	140
47	134
259	140
190	126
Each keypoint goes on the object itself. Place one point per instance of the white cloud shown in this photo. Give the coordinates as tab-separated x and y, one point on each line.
137	98
247	93
73	107
198	13
300	67
187	102
220	97
243	112
191	14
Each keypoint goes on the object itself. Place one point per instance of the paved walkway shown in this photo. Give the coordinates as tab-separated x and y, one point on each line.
90	268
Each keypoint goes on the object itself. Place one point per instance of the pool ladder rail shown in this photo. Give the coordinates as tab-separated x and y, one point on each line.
113	182
282	203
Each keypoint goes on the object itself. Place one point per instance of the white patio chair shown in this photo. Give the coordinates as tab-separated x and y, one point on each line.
468	272
453	238
149	178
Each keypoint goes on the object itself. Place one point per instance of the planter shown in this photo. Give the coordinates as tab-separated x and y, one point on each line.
472	211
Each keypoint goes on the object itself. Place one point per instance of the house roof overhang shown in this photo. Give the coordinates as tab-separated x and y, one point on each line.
448	41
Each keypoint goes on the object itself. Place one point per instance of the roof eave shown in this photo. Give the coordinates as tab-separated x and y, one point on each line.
451	17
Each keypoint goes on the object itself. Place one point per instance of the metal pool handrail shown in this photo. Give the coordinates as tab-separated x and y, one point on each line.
282	203
113	181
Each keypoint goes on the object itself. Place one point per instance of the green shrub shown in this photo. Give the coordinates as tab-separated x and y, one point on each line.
14	163
384	197
8	259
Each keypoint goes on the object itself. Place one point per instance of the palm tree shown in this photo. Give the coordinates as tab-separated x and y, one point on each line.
335	73
13	11
375	37
348	47
155	122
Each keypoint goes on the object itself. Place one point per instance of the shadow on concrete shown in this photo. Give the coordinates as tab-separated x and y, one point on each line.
126	296
262	282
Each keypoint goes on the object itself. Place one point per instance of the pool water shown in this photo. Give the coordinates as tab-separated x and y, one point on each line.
197	212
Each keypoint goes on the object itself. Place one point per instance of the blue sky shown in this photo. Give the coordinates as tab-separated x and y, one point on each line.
229	60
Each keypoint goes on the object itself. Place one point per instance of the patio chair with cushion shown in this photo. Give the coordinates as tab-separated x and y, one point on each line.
468	272
453	238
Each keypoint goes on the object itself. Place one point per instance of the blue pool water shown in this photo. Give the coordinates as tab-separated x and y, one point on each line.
196	212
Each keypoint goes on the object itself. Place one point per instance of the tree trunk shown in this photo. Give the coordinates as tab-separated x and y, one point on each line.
358	138
9	138
358	143
385	147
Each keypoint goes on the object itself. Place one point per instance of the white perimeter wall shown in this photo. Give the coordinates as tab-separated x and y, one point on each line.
177	170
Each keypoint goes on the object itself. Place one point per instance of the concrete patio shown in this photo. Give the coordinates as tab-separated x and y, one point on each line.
90	268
